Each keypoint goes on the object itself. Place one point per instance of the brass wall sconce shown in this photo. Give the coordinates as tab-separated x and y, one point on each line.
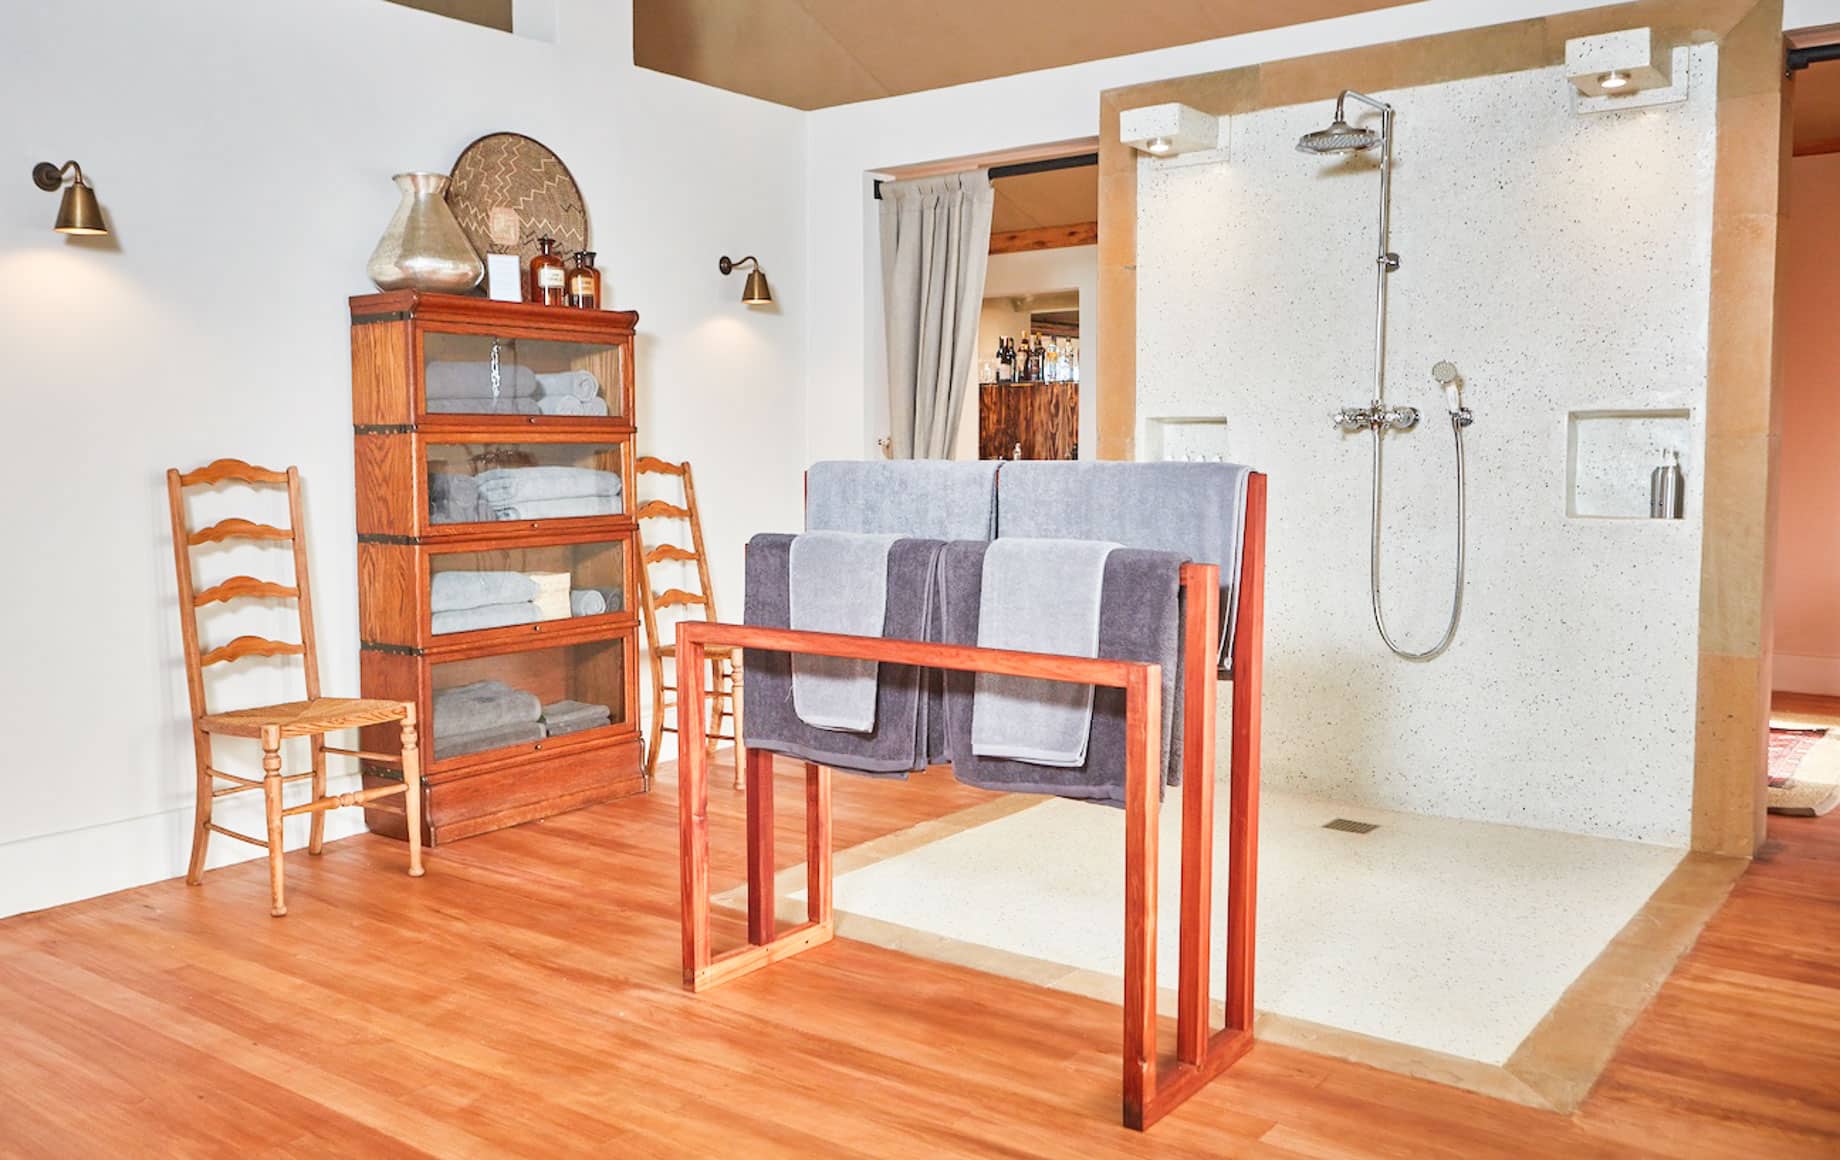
755	293
78	213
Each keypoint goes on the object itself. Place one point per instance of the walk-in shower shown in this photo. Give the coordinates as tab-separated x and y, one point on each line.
1379	418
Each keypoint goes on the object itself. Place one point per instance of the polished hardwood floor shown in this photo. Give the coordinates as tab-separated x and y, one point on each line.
524	999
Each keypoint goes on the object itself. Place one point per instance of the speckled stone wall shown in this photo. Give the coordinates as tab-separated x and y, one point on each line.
1563	262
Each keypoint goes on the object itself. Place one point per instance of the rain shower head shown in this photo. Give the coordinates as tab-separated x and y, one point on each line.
1339	137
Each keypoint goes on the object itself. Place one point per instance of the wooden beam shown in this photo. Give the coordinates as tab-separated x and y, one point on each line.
1045	238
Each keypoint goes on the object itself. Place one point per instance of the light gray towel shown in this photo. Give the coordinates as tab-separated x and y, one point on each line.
1038	596
453	498
482	706
502	406
457	744
569	384
1195	510
587	601
556	509
468	379
453	591
572	716
502	486
568	405
928	499
839	583
485	616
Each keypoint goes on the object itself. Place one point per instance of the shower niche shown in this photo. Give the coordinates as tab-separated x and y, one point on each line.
1186	437
1611	453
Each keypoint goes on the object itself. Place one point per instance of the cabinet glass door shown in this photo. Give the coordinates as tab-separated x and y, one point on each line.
529	584
480	374
529	699
470	483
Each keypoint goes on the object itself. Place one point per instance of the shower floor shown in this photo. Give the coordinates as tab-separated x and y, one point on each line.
1436	947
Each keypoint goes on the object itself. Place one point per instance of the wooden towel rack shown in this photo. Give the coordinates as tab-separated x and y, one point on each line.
1150	1091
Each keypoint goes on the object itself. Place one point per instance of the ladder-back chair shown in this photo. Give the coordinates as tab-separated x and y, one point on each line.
725	683
271	724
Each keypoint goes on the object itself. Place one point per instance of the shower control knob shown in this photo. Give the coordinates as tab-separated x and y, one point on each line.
1400	418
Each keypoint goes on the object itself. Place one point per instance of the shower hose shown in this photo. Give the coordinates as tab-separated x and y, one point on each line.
1456	599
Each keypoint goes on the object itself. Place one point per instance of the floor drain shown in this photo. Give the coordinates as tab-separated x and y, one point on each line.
1350	826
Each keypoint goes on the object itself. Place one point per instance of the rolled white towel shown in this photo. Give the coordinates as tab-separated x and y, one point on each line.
587	602
576	384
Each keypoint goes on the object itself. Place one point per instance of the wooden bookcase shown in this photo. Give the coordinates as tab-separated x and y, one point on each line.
409	530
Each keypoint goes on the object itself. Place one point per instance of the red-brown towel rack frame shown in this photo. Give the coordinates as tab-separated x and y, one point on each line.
1150	1091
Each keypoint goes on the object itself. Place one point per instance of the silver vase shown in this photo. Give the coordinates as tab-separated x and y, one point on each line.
424	248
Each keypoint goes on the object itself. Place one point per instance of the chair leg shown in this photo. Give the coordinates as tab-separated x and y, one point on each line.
201	814
316	828
718	700
734	713
271	793
657	729
412	788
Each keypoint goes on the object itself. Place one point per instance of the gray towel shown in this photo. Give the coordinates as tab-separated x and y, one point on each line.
556	509
501	406
1038	596
485	616
455	379
482	706
570	385
507	485
560	717
928	499
456	744
595	601
569	405
839	584
906	696
1140	619
452	591
453	498
1197	510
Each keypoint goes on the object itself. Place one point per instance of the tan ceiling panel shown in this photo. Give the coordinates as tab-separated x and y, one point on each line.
1817	108
1059	197
812	54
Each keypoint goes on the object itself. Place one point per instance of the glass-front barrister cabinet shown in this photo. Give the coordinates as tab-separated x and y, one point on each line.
495	551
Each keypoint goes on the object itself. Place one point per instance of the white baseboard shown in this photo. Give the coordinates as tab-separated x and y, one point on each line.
1795	674
52	869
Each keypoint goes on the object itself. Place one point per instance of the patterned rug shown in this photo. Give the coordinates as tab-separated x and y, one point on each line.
1787	748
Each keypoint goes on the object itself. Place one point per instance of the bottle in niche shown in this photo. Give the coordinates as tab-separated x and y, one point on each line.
584	282
1041	361
1003	363
548	282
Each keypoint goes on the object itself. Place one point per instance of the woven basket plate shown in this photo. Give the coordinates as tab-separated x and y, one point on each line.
509	190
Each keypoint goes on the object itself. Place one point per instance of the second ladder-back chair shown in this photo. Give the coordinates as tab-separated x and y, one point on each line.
725	683
270	725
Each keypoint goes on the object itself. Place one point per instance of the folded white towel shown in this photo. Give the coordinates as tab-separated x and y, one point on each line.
570	405
506	485
575	384
557	509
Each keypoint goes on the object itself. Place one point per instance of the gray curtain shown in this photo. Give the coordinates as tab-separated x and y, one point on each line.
935	245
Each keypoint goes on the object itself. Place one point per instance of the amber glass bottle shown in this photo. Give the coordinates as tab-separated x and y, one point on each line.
547	276
585	282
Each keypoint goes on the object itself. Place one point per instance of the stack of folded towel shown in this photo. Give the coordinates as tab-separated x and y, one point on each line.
552	598
560	717
463	601
453	498
540	493
570	393
484	715
466	388
595	601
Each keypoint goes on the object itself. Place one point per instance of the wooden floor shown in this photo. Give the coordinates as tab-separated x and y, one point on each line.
524	999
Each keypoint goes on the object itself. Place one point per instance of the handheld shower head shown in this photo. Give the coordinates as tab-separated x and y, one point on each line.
1448	377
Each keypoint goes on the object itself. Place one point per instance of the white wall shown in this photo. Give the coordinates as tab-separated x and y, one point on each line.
243	153
1563	262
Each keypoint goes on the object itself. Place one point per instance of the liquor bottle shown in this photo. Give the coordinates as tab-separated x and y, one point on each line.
1002	360
547	279
1041	360
585	282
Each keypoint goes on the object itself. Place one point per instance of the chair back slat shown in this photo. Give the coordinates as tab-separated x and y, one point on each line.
668	552
237	529
652	465
657	509
251	646
231	471
238	587
677	596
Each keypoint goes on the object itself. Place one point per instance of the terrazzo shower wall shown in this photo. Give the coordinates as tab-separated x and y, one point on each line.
1562	262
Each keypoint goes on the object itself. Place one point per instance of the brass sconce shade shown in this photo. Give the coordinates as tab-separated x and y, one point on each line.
755	292
78	213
